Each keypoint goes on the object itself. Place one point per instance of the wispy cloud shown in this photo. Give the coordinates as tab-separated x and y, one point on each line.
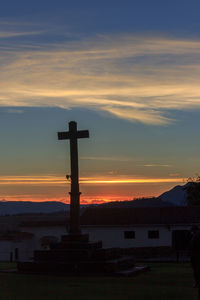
157	165
136	78
174	174
10	34
59	180
108	158
12	111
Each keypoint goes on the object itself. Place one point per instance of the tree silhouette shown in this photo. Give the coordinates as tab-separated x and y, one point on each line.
193	190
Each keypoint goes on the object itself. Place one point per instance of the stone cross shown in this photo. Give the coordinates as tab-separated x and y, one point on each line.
72	135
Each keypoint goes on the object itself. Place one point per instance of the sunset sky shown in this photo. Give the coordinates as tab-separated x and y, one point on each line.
128	71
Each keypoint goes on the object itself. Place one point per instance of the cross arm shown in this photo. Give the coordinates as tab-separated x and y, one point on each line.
82	134
66	135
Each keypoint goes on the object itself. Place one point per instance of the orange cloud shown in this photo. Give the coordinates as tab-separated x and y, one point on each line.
58	180
91	74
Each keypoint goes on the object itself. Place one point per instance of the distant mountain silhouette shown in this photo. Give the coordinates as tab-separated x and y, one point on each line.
142	202
21	207
176	196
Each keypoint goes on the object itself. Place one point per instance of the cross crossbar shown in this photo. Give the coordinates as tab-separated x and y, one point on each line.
67	135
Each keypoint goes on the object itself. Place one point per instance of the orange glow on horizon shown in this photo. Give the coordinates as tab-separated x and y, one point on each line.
95	190
83	200
58	180
138	180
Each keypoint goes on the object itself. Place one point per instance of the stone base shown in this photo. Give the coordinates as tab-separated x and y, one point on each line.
77	268
75	255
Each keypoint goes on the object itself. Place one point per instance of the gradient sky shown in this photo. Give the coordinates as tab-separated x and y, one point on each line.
128	71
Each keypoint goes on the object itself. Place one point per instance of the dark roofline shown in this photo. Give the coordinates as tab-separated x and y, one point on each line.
10	236
129	216
138	216
140	225
43	223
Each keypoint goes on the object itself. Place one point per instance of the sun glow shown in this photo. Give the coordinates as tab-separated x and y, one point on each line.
94	190
66	200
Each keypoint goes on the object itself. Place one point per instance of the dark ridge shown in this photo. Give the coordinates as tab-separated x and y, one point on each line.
142	202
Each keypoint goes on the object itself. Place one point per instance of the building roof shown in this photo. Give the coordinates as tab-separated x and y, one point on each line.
10	236
49	223
138	216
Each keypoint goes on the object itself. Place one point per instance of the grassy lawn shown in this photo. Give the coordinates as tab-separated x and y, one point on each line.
167	281
7	265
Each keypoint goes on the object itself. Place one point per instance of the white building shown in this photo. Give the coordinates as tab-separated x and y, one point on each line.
139	228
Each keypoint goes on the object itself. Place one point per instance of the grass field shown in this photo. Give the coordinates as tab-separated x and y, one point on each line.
167	281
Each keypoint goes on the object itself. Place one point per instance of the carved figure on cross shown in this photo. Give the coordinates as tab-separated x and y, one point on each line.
73	135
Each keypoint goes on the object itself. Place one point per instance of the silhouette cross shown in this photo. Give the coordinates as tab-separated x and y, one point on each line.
73	135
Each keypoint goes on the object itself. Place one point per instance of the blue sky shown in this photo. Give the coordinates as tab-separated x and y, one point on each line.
126	70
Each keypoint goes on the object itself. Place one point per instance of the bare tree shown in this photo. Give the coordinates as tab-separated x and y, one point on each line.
193	190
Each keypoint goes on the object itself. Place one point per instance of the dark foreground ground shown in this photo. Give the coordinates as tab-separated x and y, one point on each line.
166	281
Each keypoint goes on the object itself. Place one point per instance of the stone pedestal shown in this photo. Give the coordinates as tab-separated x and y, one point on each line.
76	255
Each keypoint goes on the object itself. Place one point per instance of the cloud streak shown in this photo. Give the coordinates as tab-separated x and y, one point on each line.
58	180
136	78
10	34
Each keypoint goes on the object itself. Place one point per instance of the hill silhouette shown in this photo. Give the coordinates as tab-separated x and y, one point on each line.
141	202
28	207
177	196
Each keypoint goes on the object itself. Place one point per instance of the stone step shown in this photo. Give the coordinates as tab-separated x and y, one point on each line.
62	255
133	271
83	238
107	254
122	263
83	262
82	268
46	268
67	255
77	245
